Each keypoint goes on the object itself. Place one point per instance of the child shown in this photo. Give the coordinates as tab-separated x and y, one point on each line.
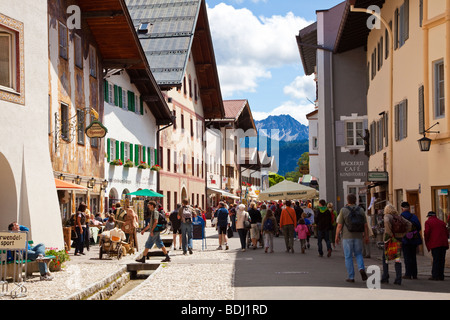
269	229
302	231
308	225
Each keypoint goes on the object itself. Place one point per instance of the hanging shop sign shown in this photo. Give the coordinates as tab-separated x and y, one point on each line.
96	130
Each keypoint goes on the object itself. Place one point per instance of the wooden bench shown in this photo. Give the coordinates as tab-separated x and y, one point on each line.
30	266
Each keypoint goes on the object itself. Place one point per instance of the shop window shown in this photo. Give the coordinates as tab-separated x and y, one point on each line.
441	203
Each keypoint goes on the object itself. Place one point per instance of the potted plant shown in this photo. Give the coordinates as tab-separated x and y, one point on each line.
156	168
128	164
61	257
143	165
116	162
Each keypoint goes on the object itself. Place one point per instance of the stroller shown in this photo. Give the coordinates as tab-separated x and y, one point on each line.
111	243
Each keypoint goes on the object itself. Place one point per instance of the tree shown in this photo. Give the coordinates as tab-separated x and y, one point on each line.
274	179
302	169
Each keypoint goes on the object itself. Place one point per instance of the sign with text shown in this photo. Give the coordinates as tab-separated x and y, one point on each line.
13	240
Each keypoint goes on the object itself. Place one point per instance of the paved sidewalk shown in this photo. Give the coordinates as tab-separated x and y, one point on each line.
212	274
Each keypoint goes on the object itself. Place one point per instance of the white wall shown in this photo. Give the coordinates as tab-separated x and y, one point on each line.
32	198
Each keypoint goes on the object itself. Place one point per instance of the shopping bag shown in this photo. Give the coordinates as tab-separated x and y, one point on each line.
392	249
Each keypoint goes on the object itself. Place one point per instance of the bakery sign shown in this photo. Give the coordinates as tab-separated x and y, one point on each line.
96	130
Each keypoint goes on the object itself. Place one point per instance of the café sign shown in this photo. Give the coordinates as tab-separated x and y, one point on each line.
13	240
96	130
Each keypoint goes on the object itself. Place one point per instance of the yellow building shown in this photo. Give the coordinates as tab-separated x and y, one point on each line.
410	106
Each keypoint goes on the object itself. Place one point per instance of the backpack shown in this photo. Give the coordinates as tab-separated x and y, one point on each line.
399	225
355	220
162	222
268	225
187	212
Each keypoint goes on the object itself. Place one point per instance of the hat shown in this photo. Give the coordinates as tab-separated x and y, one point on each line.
431	213
405	204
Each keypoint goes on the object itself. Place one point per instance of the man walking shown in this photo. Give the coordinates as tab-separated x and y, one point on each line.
436	240
223	223
154	236
288	222
185	214
323	223
410	242
353	224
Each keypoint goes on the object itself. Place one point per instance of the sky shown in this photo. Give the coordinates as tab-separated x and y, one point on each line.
257	55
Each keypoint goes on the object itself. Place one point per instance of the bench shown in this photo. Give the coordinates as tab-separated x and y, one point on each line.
30	266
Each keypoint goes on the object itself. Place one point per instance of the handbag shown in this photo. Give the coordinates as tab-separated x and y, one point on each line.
230	232
392	249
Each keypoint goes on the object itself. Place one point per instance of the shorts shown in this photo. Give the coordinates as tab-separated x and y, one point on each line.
222	230
156	239
177	230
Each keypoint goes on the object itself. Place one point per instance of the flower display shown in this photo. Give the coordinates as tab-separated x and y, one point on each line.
128	164
156	167
61	257
143	165
116	162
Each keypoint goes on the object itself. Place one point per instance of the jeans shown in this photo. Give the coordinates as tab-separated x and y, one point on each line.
186	235
79	242
323	235
152	240
243	237
353	247
34	252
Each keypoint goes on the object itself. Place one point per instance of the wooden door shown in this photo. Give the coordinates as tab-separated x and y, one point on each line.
413	199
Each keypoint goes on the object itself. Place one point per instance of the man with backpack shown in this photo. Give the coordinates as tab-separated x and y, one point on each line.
155	227
353	224
410	242
185	214
223	223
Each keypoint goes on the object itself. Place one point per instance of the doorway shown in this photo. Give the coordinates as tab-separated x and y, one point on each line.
8	194
413	199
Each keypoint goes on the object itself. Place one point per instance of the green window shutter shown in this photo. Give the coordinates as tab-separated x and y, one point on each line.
119	89
144	153
116	95
122	151
108	148
131	101
117	151
156	156
136	154
141	106
105	84
131	151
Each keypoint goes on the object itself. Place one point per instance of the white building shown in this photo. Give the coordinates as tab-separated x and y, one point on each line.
27	187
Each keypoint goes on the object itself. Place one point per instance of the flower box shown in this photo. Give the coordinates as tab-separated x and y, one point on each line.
61	257
116	162
143	165
128	164
155	167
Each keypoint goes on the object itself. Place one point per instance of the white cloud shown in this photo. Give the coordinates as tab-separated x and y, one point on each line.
302	92
248	47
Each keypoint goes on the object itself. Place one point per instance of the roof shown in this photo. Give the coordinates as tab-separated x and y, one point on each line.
240	111
344	31
110	23
307	45
176	29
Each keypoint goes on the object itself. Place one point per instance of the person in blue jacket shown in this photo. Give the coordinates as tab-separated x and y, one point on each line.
410	242
33	253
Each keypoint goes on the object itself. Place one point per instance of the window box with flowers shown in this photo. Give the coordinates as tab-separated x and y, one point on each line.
58	263
143	165
116	162
155	168
128	164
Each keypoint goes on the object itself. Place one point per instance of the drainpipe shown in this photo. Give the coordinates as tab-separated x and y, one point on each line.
157	148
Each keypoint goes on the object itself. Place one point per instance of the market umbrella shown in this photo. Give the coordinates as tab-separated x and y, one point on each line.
288	190
146	193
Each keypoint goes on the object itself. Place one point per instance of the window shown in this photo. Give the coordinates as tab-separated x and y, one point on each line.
78	52
12	81
7	59
111	93
401	19
65	121
80	126
113	150
439	89
441	202
354	133
168	159
124	97
63	41
94	141
92	62
175	162
401	120
421	110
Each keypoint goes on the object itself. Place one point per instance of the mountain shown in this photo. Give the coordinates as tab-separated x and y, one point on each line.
293	140
289	128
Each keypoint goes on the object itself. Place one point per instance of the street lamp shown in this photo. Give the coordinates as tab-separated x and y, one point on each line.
425	143
104	184
91	183
78	180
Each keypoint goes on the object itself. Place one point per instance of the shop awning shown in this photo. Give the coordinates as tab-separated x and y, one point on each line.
146	193
223	192
64	185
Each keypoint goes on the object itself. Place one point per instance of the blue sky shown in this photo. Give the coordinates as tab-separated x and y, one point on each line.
257	54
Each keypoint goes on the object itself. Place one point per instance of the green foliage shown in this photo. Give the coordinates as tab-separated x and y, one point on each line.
274	179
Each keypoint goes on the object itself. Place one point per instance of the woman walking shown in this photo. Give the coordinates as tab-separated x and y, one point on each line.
242	218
